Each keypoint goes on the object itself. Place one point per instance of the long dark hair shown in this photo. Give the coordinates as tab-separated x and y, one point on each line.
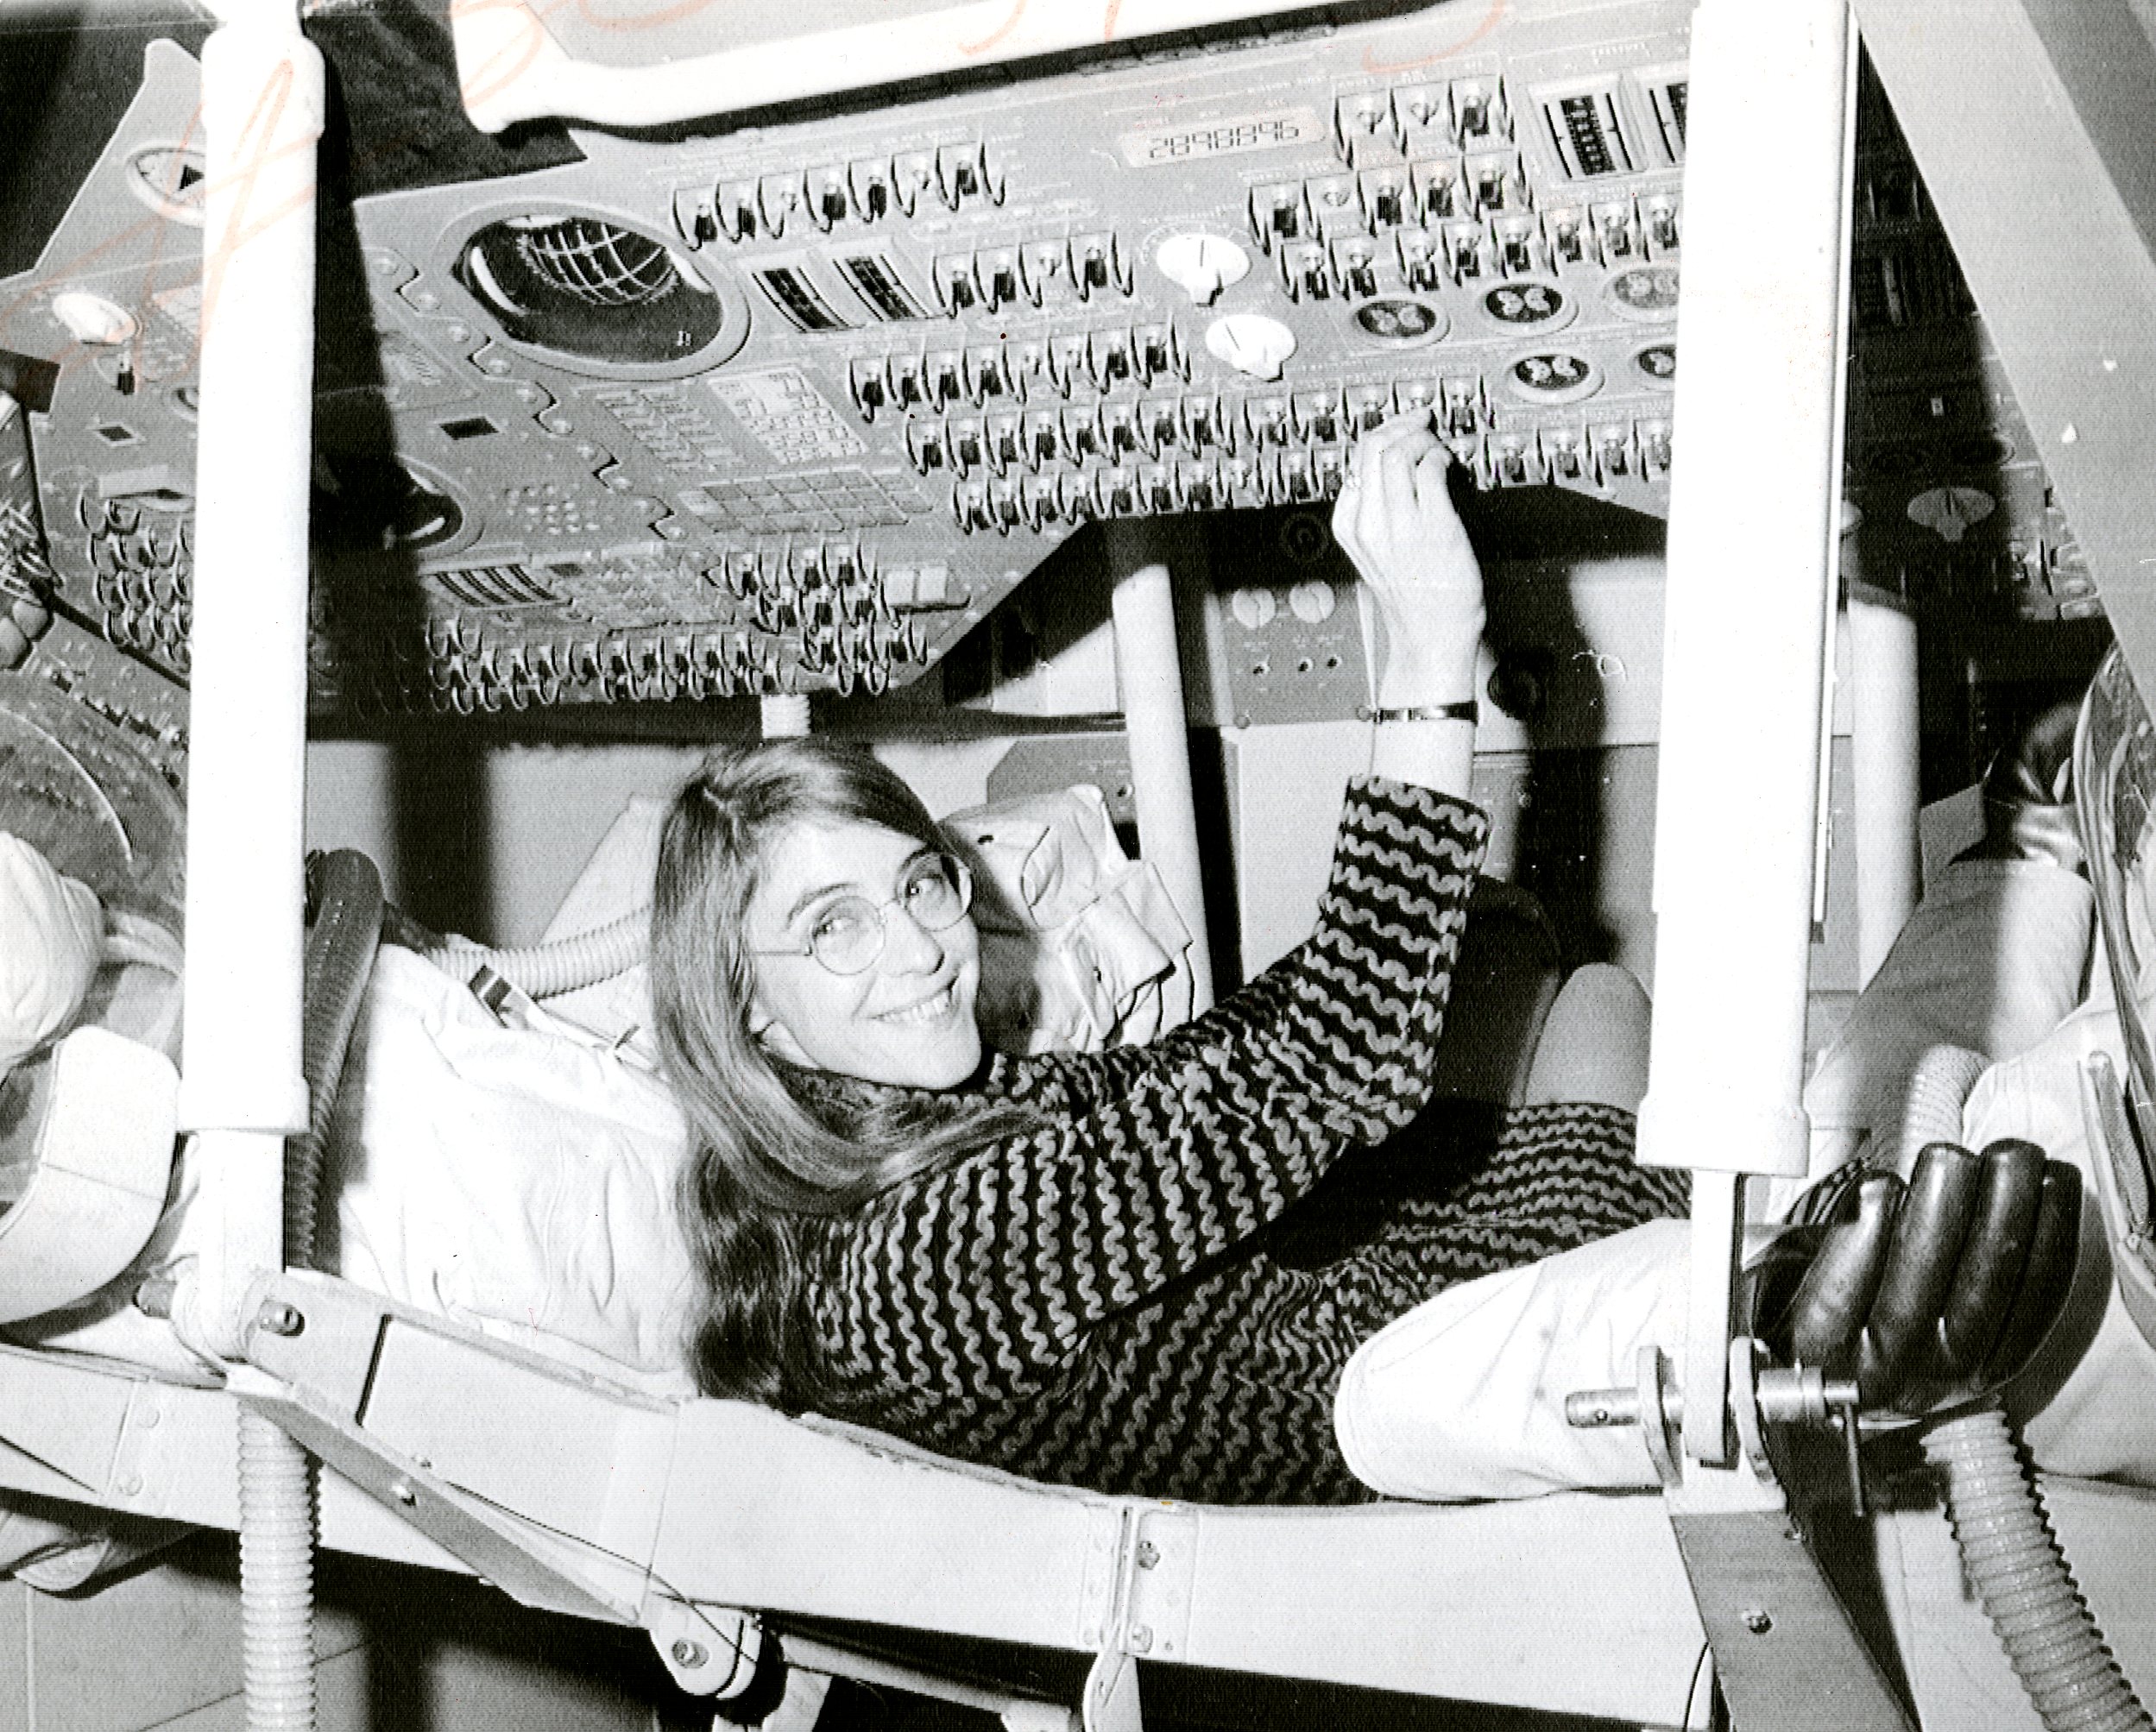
773	1145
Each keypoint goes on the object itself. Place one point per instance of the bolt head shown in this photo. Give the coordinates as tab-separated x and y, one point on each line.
1141	1638
1757	1622
689	1653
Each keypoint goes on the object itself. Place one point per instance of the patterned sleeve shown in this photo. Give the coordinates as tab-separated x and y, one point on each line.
1152	1161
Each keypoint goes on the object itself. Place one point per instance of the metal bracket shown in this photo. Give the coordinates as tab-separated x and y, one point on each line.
1784	1647
487	1542
703	1658
1111	1700
358	1380
1155	1570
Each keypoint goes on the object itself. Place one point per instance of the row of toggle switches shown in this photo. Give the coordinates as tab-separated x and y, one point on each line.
1044	273
1062	365
1600	455
1313	254
1044	438
835	195
1419	118
1195	422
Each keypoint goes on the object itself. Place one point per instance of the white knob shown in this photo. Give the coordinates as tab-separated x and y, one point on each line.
92	318
1312	602
1201	265
1252	343
1950	512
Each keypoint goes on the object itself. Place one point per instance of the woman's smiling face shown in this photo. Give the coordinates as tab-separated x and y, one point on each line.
907	1017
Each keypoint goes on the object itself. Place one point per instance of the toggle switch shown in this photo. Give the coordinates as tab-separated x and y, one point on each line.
1276	214
828	202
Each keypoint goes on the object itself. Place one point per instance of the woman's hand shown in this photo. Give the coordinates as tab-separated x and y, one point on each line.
1396	521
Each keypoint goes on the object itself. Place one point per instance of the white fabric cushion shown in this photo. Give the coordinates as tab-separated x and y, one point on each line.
520	1180
52	932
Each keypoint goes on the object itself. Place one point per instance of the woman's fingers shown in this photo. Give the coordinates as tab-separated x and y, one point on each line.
1413	425
1432	471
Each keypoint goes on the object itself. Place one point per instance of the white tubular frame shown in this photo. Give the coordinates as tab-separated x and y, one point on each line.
242	1091
1149	674
1749	605
1884	728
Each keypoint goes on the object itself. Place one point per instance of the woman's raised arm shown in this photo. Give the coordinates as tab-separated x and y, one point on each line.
1396	521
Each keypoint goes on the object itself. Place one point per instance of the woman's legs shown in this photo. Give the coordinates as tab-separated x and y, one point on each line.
1593	1046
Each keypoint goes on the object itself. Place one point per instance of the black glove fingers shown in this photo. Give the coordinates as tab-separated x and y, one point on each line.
1993	1255
1835	1297
1929	1235
2047	1277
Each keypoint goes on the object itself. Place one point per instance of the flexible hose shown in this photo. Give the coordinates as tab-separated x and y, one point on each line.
277	1477
1939	1087
546	971
277	1505
2021	1578
340	958
2007	1550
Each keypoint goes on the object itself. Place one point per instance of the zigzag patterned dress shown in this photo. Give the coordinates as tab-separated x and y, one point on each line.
1156	1291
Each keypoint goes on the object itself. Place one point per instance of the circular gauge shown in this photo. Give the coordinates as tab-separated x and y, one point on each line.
1527	305
1399	322
1980	451
171	179
1656	364
378	503
1553	376
1893	462
595	293
1305	538
1644	292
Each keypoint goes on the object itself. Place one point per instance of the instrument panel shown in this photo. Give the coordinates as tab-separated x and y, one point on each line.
789	407
791	402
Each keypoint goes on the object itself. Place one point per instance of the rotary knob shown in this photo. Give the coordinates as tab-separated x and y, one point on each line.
1201	265
1252	343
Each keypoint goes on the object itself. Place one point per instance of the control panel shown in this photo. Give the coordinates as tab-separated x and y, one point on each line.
789	407
1957	508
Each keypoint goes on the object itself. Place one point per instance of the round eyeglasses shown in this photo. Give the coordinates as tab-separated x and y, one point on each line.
848	934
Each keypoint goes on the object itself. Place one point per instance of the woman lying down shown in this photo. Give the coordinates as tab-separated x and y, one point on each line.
1144	1270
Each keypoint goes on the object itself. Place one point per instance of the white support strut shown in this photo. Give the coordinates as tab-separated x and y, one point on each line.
1749	605
1149	672
242	1087
1884	739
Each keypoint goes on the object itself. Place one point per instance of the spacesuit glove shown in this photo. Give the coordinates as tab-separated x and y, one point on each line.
1929	1293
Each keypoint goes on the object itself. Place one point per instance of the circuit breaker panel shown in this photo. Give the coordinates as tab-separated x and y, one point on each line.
789	407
